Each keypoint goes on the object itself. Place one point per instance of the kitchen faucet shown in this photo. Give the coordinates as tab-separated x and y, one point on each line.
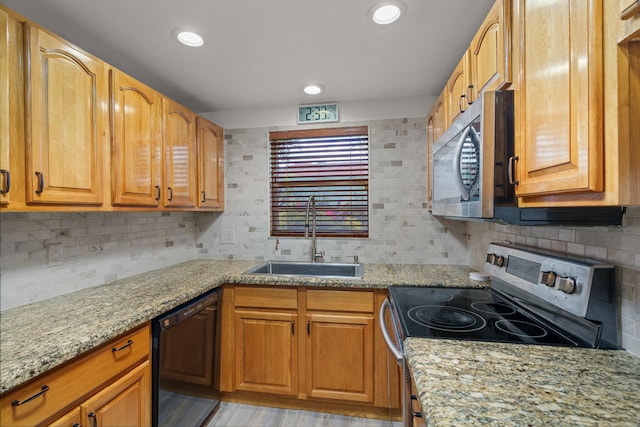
315	255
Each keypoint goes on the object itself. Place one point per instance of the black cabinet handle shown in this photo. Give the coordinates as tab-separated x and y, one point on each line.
170	193
293	328
76	425
95	418
40	188
7	181
204	197
470	98
511	170
462	97
43	390
128	344
157	192
308	327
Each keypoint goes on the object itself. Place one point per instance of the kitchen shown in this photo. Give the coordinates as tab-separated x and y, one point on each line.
101	247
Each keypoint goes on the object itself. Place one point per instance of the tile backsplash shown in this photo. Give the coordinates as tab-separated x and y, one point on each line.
401	229
619	246
99	247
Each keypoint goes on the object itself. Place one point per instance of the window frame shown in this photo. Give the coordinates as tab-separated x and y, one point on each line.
352	187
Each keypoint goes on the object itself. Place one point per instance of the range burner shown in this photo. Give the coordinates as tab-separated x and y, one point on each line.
493	308
474	293
445	318
521	328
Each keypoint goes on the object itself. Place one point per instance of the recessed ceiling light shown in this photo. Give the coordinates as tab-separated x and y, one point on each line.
312	89
386	12
189	38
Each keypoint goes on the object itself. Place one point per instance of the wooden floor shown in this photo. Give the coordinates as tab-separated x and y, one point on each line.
239	415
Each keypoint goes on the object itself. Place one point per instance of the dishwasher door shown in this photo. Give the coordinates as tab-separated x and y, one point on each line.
185	383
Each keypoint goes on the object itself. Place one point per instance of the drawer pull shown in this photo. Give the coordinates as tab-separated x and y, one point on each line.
157	192
128	344
95	418
42	391
170	191
204	197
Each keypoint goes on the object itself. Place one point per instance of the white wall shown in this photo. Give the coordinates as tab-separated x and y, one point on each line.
348	111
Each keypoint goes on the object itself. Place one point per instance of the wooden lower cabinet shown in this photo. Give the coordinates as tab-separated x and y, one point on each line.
112	381
340	356
71	419
309	344
124	403
266	352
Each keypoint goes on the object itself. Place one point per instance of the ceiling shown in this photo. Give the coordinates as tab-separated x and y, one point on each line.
259	53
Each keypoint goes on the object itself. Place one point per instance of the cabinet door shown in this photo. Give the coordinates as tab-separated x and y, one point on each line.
210	165
340	356
489	52
440	119
126	402
266	355
5	173
458	89
66	115
186	350
559	124
180	155
436	126
136	142
70	419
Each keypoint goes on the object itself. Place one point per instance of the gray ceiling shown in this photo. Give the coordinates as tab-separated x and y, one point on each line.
259	53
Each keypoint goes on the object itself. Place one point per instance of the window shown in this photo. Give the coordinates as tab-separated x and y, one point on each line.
330	164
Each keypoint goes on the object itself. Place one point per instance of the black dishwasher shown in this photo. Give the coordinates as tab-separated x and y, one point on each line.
185	384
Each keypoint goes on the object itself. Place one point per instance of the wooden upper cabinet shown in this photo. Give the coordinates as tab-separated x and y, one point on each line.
559	123
457	89
180	171
66	115
436	126
490	51
5	169
136	142
210	165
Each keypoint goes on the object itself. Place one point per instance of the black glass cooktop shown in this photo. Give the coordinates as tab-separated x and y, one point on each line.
470	314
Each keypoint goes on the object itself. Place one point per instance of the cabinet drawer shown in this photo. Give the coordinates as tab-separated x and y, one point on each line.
72	382
267	298
351	301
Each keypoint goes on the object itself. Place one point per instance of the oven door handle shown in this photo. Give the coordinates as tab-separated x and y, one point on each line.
396	351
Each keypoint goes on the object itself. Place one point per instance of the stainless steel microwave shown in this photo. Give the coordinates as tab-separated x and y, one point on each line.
473	178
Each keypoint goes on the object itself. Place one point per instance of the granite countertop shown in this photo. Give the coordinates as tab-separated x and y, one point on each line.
38	337
494	384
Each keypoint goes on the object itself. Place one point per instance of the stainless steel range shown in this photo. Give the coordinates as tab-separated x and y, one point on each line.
535	298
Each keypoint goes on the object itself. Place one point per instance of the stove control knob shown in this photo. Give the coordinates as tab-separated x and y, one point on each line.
490	258
498	260
566	284
548	278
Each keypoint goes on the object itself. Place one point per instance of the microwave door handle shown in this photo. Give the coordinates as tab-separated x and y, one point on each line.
464	193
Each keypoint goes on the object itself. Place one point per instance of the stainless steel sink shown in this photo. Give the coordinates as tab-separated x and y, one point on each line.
315	269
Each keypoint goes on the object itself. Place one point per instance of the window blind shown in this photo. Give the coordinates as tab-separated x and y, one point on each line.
330	164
